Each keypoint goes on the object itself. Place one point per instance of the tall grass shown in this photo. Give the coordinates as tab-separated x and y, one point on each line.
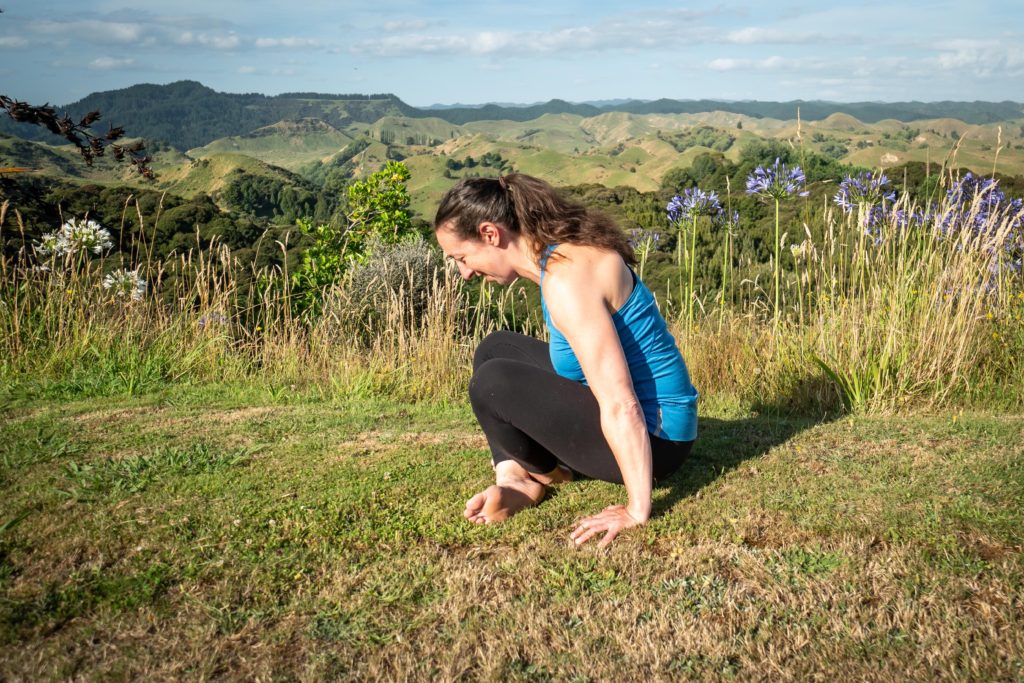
901	313
906	316
62	333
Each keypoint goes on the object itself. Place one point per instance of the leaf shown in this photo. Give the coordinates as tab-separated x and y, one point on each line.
841	383
13	522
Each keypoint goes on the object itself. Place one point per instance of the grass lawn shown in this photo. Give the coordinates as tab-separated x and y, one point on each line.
217	532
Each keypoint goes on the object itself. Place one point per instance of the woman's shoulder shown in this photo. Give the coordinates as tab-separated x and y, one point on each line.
580	257
588	269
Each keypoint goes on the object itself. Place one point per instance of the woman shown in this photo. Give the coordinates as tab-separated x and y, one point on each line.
610	397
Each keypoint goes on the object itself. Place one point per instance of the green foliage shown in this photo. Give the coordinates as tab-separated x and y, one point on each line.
834	150
281	199
701	136
905	134
378	214
332	175
322	263
378	208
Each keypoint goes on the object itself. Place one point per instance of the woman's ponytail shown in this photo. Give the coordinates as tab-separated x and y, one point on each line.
529	206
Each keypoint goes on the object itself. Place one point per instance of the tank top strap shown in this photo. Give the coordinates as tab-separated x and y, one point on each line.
544	259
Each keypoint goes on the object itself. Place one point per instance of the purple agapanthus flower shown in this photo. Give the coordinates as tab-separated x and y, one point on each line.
964	191
864	190
777	181
979	204
728	221
212	320
902	218
641	238
693	202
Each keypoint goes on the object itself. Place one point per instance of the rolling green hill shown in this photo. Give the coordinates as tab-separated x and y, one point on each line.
209	174
611	149
288	144
411	132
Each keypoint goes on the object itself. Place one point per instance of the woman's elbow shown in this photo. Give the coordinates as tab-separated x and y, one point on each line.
626	409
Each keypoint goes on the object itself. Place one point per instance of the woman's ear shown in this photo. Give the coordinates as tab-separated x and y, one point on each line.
489	233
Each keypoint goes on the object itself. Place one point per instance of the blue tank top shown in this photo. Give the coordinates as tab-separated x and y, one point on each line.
660	377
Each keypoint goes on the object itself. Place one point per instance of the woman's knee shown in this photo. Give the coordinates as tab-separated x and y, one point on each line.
493	380
482	382
490	346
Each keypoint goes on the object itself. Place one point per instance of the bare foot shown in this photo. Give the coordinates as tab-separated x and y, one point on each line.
499	502
559	475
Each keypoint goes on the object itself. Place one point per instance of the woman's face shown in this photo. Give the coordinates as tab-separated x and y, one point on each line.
486	257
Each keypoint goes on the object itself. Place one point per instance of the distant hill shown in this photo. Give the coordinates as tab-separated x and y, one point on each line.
187	114
288	144
868	112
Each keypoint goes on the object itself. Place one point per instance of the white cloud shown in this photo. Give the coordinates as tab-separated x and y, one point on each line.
289	42
983	59
757	35
92	30
771	63
677	28
276	71
108	63
414	25
12	42
729	64
154	31
217	41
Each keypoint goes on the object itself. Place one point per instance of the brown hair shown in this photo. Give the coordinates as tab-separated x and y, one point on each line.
528	206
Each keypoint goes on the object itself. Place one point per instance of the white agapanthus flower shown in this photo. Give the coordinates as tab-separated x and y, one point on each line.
75	237
125	283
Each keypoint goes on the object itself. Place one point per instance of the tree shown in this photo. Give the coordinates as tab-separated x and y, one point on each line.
378	214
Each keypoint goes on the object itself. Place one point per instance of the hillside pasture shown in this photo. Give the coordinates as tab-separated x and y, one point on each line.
288	144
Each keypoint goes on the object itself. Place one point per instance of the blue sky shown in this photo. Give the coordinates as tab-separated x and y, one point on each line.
445	51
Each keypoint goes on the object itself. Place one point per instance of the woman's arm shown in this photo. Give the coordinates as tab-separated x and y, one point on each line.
579	309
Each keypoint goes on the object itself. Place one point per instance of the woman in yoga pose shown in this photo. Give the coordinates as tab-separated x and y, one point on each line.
609	397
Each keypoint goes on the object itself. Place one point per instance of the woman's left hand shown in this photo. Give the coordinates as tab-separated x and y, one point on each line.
611	520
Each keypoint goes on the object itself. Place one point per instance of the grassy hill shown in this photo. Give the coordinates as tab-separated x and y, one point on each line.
610	149
187	114
208	174
411	132
45	158
288	144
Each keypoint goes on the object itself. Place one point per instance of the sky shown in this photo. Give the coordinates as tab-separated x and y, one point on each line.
521	51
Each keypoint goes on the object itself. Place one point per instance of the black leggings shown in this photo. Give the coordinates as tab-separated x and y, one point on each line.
538	418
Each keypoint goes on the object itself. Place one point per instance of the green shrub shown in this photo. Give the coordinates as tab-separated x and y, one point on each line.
395	280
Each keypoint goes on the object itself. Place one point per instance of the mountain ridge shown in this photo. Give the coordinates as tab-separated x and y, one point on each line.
188	114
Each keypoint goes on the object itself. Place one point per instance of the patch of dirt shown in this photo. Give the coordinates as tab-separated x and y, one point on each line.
986	549
96	418
152	418
380	441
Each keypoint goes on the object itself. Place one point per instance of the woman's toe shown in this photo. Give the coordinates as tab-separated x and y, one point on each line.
475	504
